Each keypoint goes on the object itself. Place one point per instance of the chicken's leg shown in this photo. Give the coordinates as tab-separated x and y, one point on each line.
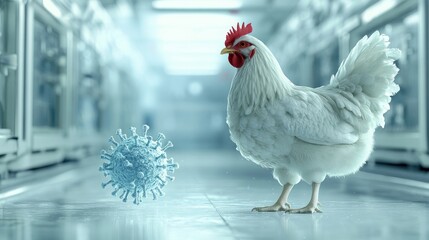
312	206
281	204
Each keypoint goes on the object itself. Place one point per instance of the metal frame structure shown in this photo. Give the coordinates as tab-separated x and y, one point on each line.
23	145
80	142
42	146
12	68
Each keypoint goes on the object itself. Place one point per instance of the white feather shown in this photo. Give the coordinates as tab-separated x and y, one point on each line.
311	133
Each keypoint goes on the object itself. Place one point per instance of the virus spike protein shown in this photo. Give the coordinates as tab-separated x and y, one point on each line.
137	165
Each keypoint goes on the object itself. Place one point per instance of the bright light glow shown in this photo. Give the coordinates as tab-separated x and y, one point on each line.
199	48
13	192
185	65
197	4
176	25
195	88
192	61
183	60
190	34
190	70
191	67
75	9
413	19
124	10
184	72
377	10
189	43
52	8
293	23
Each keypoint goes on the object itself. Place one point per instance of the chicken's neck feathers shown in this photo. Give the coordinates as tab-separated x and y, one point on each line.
259	81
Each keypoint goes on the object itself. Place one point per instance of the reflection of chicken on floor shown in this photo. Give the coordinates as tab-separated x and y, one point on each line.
301	132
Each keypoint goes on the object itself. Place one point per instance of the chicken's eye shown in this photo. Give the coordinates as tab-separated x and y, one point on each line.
242	44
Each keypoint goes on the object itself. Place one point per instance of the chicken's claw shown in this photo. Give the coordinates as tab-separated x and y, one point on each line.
274	208
307	209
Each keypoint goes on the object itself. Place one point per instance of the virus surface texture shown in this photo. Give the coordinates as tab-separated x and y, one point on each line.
137	165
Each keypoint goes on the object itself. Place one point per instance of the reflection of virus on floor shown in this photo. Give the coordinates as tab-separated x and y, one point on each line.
137	165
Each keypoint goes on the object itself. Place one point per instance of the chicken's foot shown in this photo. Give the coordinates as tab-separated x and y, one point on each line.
313	205
281	204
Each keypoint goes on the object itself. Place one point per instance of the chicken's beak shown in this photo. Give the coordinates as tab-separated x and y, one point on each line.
227	50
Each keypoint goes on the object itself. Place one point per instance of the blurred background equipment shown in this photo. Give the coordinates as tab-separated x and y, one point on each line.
73	70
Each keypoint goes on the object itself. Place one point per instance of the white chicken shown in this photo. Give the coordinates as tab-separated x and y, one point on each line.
301	132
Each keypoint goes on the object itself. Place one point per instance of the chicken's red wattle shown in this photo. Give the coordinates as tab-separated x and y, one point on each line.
236	59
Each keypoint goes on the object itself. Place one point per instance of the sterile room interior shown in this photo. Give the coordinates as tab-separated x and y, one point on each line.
72	72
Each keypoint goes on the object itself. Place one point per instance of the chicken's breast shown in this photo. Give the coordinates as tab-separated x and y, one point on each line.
302	133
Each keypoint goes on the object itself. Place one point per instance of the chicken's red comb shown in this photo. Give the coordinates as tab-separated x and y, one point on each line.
233	34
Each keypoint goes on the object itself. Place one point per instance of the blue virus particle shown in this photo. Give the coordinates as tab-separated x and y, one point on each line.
137	165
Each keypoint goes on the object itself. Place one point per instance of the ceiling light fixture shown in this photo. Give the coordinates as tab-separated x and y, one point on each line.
196	4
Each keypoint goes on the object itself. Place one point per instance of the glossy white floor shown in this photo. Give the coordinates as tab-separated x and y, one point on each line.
211	198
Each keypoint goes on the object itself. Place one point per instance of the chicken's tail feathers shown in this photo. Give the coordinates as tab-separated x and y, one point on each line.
368	73
370	65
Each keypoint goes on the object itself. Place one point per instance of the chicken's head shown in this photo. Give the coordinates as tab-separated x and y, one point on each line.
237	47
